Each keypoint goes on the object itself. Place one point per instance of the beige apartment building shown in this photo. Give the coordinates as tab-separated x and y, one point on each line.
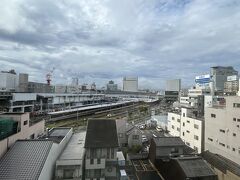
222	128
25	130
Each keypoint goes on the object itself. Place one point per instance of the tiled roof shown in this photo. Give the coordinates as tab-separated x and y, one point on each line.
25	159
101	133
221	163
194	167
168	141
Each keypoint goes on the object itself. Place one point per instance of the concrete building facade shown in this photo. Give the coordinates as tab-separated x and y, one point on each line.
173	85
8	80
130	84
222	128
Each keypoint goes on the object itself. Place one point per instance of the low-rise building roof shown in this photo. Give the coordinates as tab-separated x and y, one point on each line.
168	141
25	159
194	167
221	163
74	149
101	133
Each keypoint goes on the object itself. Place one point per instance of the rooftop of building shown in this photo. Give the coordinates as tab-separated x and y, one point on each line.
221	163
75	148
101	133
25	159
194	166
56	134
168	141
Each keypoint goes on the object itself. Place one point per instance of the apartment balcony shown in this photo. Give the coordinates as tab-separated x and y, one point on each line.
95	163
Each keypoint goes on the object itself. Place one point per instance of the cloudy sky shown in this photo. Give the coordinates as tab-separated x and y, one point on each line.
100	40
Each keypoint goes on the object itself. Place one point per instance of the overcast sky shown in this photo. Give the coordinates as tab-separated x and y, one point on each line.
100	40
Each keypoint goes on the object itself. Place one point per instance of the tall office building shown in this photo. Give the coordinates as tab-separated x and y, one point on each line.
111	86
219	76
130	84
173	85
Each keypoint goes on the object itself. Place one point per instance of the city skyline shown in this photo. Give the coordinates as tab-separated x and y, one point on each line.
98	41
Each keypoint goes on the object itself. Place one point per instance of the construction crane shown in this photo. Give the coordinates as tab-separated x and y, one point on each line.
49	76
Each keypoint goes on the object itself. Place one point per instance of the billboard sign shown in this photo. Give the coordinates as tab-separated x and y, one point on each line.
203	79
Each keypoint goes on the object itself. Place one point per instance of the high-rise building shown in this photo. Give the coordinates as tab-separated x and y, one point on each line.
130	84
8	80
173	85
219	76
111	86
222	128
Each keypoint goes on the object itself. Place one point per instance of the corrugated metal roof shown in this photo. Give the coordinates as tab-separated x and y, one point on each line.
25	159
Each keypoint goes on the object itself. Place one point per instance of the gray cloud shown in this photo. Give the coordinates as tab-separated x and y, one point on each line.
99	40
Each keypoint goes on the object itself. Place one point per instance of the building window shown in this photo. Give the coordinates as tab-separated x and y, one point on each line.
188	121
238	120
188	131
196	126
234	119
98	161
195	148
112	153
68	173
135	136
222	144
213	115
174	150
91	161
183	124
233	149
178	120
210	139
178	129
236	105
234	134
172	126
173	118
183	114
108	153
187	143
221	130
195	137
183	134
25	122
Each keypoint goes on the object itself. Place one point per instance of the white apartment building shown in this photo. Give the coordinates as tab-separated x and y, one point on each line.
222	129
174	124
101	146
130	84
188	127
